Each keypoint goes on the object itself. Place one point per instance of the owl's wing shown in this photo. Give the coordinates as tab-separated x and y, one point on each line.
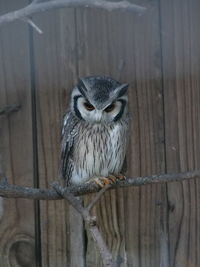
68	135
124	166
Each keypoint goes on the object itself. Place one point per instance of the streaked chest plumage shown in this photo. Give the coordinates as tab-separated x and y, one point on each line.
99	150
94	134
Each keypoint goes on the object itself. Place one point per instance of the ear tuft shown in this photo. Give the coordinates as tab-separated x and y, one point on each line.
84	84
82	87
122	89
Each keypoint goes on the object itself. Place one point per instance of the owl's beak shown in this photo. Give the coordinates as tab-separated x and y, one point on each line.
98	115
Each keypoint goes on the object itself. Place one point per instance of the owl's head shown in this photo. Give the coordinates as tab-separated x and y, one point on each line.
99	99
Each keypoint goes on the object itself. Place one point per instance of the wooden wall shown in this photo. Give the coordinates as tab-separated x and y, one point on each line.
158	54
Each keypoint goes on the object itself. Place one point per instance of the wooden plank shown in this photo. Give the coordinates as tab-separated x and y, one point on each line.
55	68
17	216
128	48
180	42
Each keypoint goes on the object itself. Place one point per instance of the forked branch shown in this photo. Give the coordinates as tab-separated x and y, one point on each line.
70	193
90	221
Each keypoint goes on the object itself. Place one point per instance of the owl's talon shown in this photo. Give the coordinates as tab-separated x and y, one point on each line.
112	178
120	177
103	181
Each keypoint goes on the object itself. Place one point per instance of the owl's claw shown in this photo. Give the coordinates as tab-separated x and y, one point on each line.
120	177
103	181
111	179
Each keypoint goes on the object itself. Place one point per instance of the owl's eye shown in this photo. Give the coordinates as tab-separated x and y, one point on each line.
110	108
88	106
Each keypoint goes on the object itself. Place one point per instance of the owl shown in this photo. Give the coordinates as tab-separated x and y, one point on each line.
94	133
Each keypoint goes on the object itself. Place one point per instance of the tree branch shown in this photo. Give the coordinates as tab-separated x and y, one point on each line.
16	191
69	193
38	7
97	197
90	221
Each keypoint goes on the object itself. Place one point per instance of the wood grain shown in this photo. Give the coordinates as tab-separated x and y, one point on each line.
180	43
158	55
128	48
17	216
55	69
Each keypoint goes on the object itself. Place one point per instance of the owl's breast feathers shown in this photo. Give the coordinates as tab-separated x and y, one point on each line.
98	150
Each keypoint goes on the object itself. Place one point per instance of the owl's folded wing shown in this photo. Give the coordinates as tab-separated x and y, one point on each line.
68	135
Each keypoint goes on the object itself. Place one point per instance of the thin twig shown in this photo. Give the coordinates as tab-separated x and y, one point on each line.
33	25
75	202
97	197
38	7
16	191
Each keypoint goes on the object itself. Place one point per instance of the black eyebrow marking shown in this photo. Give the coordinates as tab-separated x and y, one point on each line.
81	90
123	91
77	112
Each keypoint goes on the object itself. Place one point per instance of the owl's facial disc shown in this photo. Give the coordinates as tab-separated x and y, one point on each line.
93	102
88	112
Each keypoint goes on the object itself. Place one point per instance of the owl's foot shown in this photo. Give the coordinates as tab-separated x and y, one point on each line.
120	176
103	181
111	179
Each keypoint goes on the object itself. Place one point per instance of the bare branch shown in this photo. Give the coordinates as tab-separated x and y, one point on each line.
33	25
38	7
16	191
91	222
65	193
136	181
97	197
69	193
